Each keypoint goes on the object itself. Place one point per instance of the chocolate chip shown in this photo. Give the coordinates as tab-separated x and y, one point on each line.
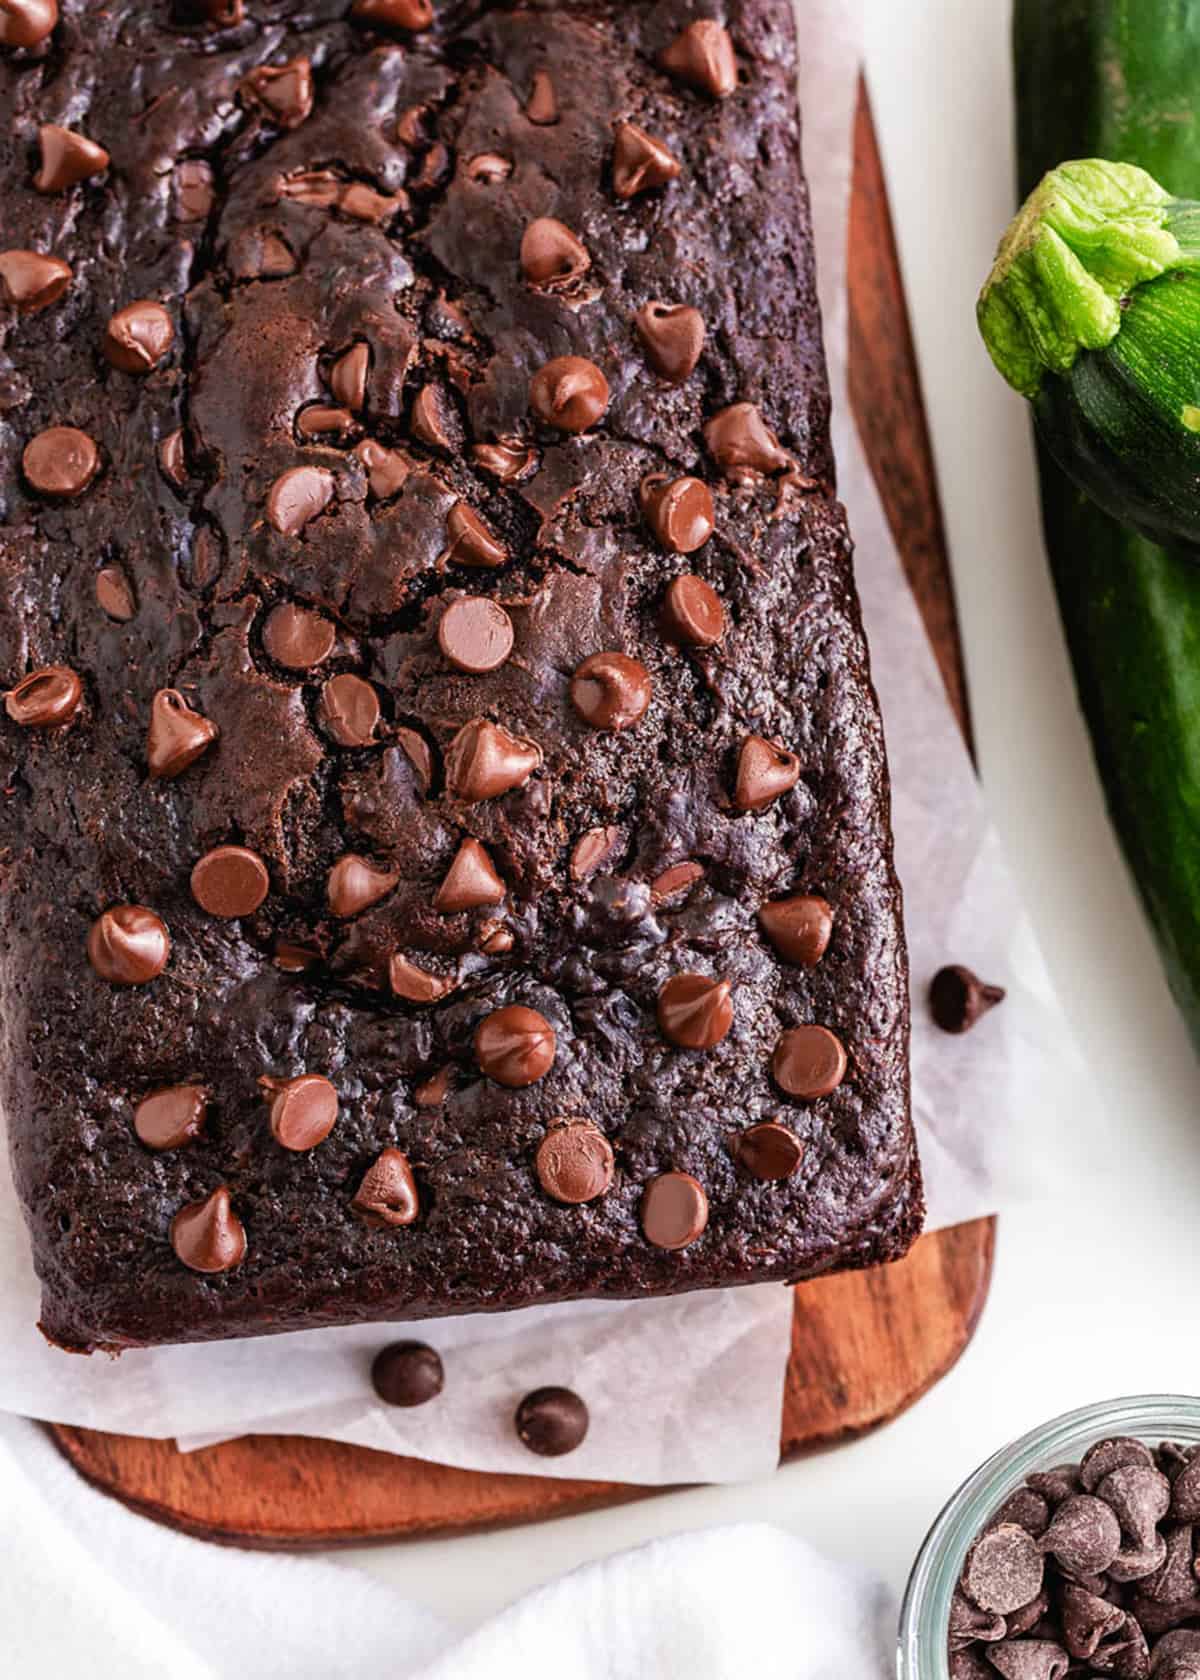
574	1162
702	56
298	496
1027	1619
386	469
488	168
809	1062
45	698
679	511
1177	1656
195	190
509	461
1174	1578
208	1236
591	850
695	1011
291	958
407	1374
321	421
672	335
958	999
678	879
428	423
128	945
470	883
66	159
475	634
692	614
61	461
470	541
415	984
610	691
283	93
1029	1510
169	1118
515	1046
364	204
769	1151
303	1110
551	1421
432	1092
298	638
393	14
416	749
674	1210
355	884
349	710
552	258
138	337
569	393
348	377
114	594
1185	1492
799	928
177	735
495	939
765	770
1003	1570
1138	1562
743	445
387	1195
26	23
967	1623
542	105
32	281
172	457
230	881
640	162
484	761
1138	1495
1056	1484
260	254
1029	1659
1084	1535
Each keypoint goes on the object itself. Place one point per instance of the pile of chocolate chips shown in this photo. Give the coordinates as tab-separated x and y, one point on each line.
1088	1569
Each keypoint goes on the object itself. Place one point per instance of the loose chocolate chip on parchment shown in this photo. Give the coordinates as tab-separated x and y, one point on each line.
958	998
551	1421
407	1374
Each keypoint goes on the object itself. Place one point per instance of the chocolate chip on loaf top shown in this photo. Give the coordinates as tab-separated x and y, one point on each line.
446	850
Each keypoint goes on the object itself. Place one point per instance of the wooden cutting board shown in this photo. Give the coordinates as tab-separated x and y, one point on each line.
864	1345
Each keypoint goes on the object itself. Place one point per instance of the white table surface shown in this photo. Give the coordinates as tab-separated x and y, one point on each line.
1095	1290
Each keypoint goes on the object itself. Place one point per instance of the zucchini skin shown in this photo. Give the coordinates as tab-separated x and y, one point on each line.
1121	79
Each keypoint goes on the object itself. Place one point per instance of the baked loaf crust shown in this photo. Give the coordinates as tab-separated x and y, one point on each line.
395	766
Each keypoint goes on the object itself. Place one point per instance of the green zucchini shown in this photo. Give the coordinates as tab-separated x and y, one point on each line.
1121	79
1092	311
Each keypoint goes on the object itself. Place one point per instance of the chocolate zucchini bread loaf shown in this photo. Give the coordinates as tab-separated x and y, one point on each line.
445	839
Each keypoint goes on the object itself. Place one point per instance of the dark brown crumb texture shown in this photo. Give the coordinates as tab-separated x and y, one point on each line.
341	247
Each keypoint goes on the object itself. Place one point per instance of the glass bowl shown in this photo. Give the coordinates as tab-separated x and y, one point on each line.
925	1615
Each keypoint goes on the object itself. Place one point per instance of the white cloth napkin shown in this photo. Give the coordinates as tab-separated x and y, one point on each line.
88	1588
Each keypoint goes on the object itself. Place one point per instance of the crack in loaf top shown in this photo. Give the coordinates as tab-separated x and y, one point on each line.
441	767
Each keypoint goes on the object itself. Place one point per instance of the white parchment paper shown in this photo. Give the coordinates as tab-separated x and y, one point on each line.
687	1389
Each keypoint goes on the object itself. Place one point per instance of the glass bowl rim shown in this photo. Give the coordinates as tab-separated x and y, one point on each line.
925	1609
